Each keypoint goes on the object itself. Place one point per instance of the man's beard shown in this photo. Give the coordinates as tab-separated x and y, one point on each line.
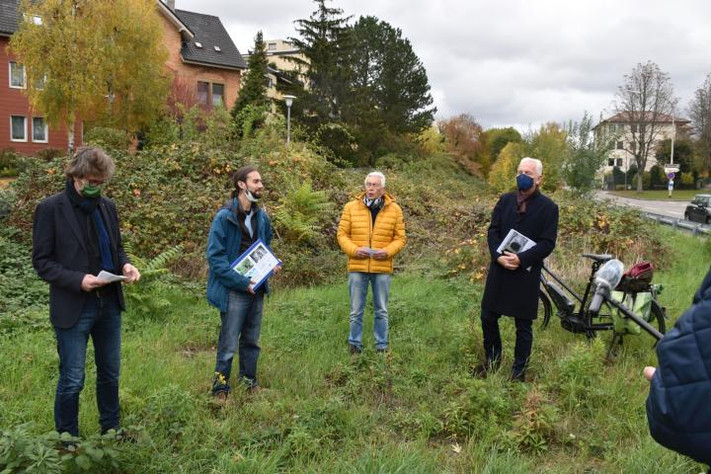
253	196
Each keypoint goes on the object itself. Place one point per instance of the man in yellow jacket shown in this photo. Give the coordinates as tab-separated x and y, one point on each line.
371	232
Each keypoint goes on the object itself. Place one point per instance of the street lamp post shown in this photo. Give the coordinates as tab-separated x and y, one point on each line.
670	187
288	99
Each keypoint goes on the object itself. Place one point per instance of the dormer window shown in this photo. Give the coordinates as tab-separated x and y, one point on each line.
217	48
198	45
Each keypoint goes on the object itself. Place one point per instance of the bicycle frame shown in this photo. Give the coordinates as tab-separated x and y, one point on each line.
576	316
573	319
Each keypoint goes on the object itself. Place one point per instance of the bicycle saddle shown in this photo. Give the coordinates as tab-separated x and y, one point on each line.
602	258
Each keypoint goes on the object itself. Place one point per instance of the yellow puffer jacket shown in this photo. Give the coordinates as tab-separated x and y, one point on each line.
356	229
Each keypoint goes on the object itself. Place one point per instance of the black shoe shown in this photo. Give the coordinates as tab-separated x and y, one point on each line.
382	350
355	350
482	370
518	377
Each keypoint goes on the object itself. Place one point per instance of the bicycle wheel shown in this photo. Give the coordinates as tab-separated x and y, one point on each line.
545	309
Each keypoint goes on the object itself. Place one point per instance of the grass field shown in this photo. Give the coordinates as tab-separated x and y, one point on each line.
415	410
662	194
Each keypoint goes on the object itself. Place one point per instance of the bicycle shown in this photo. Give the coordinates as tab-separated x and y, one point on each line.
578	317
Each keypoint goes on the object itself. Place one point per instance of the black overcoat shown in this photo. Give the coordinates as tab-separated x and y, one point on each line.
60	256
515	292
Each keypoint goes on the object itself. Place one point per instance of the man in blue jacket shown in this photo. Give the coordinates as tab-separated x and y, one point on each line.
679	402
239	224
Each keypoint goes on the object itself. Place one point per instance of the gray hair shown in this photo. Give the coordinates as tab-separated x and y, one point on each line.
377	174
90	161
535	161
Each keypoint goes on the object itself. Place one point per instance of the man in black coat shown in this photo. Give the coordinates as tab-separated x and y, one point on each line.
514	274
75	236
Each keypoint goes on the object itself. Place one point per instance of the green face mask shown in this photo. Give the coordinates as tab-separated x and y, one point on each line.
90	191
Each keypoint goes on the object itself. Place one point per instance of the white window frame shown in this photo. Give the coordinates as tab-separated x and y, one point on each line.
13	139
24	76
46	130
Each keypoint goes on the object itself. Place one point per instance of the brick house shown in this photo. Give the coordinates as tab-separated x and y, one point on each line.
204	61
22	128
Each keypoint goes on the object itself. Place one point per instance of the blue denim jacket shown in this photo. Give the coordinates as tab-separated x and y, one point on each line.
223	246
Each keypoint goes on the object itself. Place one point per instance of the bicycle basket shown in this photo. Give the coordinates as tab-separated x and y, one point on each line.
637	279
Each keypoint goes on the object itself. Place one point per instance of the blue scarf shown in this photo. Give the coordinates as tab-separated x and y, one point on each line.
91	207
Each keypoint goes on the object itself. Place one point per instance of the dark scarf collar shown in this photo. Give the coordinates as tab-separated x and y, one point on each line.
522	200
374	204
96	225
85	204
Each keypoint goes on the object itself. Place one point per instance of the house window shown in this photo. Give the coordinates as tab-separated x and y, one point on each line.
18	128
39	83
218	95
620	145
633	147
17	75
203	92
271	46
633	127
619	162
39	130
611	162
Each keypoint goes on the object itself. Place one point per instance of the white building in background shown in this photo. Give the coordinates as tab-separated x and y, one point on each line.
620	126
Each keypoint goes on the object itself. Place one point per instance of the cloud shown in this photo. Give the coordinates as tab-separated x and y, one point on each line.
516	62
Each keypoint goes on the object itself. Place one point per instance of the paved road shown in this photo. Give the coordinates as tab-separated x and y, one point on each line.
666	208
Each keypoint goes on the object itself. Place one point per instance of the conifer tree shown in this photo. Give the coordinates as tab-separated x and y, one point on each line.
254	88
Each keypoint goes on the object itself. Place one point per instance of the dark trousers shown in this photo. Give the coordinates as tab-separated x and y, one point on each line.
239	333
492	340
100	319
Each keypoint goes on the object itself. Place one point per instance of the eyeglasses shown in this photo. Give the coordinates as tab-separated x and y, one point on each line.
94	181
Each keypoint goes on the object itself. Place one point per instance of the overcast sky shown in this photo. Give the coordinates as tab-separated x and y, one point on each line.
515	62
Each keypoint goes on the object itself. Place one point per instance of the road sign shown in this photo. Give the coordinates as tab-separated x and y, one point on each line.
671	169
670	176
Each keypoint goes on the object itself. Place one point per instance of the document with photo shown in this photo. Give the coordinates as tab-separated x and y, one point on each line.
257	263
515	242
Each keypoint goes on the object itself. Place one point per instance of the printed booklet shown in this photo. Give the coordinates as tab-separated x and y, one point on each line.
515	242
257	263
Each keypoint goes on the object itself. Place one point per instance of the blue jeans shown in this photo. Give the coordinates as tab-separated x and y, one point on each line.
492	341
241	325
100	318
358	287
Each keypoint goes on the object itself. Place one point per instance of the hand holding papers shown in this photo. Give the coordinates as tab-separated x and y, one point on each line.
109	277
257	263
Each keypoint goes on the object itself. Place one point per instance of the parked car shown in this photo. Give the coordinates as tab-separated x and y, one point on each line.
700	209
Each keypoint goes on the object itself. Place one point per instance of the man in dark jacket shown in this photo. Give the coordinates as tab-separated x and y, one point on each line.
678	405
514	274
234	229
75	236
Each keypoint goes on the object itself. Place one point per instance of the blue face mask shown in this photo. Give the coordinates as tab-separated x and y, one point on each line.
524	182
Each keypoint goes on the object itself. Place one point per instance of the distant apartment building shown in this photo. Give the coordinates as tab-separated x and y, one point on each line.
278	53
619	125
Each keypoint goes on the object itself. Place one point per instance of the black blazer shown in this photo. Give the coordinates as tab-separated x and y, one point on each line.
60	257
